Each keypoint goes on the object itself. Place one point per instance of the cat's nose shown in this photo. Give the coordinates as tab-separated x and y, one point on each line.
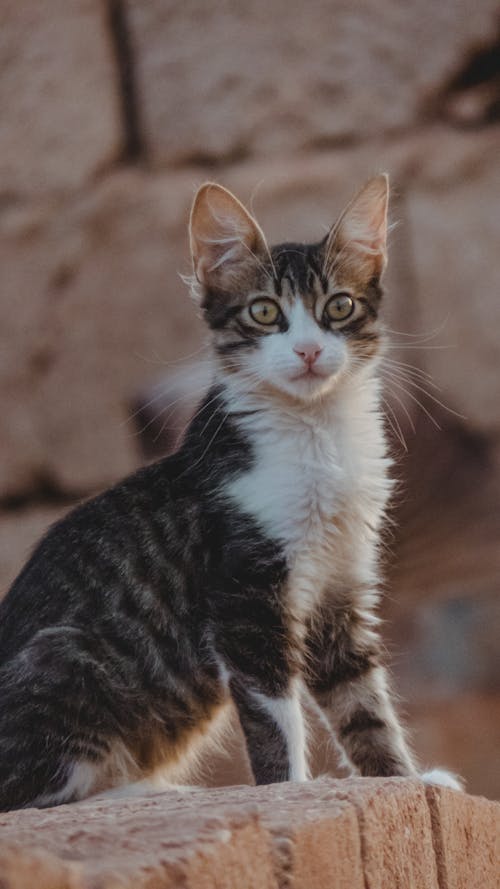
309	352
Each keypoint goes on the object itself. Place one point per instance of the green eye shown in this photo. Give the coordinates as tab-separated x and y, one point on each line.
264	311
339	307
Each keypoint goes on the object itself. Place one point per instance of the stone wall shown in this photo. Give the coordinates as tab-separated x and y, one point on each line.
112	113
324	835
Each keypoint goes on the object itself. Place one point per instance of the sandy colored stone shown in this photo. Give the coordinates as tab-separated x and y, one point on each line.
455	225
467	839
60	119
396	835
155	843
227	837
314	831
90	309
220	82
22	868
336	834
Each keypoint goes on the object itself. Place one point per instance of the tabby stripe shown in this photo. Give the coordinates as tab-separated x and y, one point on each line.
362	721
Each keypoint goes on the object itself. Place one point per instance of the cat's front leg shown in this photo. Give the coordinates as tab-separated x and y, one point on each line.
349	682
260	661
263	681
273	726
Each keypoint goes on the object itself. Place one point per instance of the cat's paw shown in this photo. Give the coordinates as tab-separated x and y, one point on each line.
443	778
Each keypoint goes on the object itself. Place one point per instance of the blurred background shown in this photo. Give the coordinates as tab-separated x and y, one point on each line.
112	113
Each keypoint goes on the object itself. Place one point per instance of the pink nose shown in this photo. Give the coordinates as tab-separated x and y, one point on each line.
309	352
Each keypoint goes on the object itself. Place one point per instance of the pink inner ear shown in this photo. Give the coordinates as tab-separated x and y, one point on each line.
223	234
373	245
215	256
366	228
364	223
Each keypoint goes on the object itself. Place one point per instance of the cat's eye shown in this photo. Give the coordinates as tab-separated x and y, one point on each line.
339	307
264	311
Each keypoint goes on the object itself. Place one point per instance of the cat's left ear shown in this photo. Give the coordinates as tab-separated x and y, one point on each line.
360	235
226	241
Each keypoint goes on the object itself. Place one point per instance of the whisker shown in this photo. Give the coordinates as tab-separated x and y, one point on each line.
395	428
411	369
212	415
198	391
142	407
209	445
405	410
416	382
421	346
155	417
162	362
186	395
421	336
191	418
395	382
432	397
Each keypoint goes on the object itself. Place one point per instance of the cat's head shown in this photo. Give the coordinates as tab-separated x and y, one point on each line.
293	318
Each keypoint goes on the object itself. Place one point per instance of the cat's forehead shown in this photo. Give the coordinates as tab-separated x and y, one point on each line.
297	271
297	263
300	271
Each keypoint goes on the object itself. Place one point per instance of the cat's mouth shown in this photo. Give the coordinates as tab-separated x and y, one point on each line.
309	373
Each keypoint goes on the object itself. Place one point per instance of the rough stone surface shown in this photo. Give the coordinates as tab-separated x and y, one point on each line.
335	834
60	118
396	833
467	840
314	829
454	220
21	868
88	314
140	846
218	82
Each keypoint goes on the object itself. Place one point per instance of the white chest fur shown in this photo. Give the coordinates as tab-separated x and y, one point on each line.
319	486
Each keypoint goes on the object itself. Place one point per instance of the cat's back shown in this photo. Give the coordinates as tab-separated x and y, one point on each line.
124	539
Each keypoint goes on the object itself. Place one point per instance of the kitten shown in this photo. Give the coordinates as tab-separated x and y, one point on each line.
244	566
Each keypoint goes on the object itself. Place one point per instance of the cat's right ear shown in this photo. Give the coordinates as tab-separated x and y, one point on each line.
226	241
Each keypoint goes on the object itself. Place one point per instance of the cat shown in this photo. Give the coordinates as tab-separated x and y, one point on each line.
245	565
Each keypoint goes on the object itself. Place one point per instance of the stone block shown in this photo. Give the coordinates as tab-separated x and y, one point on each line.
396	833
21	868
454	225
314	832
322	835
155	843
90	309
467	839
219	82
59	96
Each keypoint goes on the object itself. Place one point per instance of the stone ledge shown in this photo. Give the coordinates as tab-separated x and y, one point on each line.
348	834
